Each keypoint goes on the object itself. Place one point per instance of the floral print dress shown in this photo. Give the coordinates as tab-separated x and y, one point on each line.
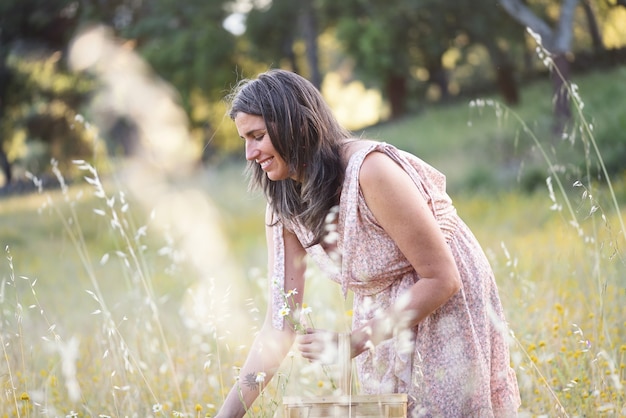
455	363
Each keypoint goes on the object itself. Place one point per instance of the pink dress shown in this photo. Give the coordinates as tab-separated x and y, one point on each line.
455	363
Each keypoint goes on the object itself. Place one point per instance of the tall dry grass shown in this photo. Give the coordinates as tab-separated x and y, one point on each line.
148	315
565	287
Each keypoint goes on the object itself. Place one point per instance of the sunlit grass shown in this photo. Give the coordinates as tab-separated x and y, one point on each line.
114	314
569	328
479	148
103	313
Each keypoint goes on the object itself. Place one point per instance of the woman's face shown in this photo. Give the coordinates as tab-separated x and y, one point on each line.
259	147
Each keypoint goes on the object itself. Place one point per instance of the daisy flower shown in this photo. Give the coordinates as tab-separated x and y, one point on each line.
284	311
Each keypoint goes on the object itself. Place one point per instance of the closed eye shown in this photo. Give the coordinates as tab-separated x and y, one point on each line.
254	136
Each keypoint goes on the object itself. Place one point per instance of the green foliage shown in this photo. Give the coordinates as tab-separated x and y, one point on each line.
41	109
272	32
47	22
35	91
398	36
486	148
186	44
375	34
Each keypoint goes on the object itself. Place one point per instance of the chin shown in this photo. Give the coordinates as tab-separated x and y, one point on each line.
277	176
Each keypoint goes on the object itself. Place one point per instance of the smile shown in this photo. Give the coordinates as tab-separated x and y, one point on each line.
265	163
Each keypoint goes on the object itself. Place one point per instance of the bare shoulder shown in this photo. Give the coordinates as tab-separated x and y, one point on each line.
378	169
353	146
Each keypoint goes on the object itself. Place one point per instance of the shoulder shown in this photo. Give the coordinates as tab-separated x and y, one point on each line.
353	146
378	168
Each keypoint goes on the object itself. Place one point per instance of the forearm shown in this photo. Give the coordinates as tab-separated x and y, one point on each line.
424	297
265	357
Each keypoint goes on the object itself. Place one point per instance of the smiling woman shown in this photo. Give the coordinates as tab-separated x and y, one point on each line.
427	317
259	147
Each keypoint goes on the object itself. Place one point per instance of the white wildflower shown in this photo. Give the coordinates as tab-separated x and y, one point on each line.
284	311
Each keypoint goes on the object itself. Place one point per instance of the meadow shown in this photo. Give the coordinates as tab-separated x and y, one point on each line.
111	307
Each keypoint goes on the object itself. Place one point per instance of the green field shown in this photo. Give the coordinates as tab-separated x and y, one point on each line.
114	307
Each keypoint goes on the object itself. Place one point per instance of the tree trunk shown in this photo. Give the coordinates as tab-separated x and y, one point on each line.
594	29
557	42
309	32
5	164
507	85
559	75
396	94
291	56
124	135
439	77
505	73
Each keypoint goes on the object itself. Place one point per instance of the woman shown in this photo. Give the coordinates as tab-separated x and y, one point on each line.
427	319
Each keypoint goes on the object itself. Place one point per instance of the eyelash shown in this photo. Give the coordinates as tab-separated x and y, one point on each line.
257	138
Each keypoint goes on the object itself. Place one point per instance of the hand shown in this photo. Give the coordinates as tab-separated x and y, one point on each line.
318	345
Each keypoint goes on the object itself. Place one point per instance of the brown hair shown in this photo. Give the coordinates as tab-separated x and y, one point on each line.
305	133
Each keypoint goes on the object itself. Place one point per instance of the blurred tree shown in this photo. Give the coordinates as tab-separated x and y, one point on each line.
556	39
309	23
592	23
487	24
390	39
274	30
377	35
187	45
617	3
33	35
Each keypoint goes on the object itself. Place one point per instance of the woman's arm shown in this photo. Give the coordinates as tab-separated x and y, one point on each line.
266	355
399	207
271	345
401	210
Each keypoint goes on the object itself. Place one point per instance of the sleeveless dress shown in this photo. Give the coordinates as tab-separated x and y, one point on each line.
455	363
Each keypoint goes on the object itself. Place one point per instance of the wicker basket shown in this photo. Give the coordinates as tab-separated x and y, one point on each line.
345	405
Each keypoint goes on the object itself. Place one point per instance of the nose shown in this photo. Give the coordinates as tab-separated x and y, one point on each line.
252	151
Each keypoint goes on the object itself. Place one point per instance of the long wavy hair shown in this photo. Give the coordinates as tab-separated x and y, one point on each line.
305	133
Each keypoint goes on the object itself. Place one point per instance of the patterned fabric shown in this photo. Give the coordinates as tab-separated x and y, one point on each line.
456	362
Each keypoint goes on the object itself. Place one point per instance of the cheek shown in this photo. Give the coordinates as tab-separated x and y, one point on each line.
284	164
281	172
